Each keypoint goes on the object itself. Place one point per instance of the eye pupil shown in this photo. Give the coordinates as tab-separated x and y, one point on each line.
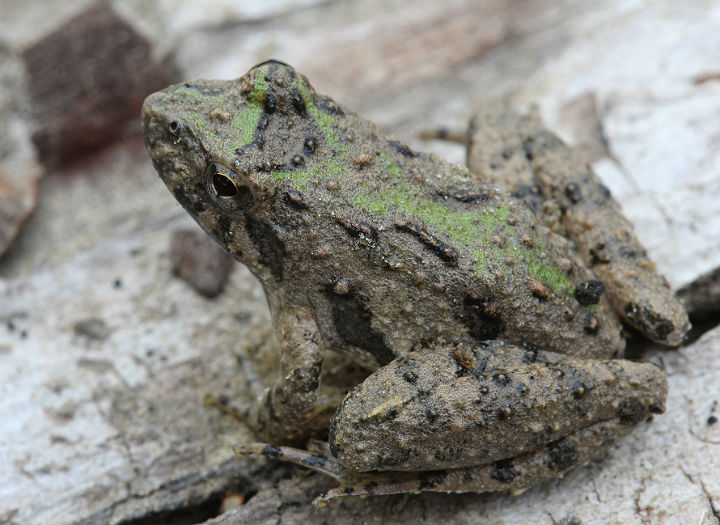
223	185
174	126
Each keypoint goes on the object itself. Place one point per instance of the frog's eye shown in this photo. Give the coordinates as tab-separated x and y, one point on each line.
223	185
227	192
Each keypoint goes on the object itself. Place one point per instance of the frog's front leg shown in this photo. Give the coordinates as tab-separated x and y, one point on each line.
288	404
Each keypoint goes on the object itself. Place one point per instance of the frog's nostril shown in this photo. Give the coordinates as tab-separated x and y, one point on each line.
224	186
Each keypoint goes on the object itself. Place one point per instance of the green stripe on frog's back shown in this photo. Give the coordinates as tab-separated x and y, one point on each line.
246	120
464	227
461	226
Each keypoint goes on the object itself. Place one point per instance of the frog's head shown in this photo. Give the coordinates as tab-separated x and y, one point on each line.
229	150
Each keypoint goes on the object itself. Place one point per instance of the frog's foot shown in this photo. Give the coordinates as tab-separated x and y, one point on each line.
513	475
509	475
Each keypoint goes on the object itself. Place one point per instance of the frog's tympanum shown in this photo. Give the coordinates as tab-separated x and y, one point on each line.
487	302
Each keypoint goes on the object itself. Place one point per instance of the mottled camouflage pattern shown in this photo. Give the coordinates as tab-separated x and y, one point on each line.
395	258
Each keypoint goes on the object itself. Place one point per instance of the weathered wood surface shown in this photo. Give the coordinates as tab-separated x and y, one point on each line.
104	421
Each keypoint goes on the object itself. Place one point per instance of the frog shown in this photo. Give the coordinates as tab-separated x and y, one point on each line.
492	330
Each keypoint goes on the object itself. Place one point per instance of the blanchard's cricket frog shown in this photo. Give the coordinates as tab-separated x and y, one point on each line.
494	334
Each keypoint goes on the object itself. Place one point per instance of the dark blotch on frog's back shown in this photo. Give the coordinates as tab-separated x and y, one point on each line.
444	251
466	196
402	148
358	228
268	244
478	316
351	318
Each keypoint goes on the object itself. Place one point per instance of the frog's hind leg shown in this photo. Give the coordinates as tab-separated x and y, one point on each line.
511	475
605	239
518	154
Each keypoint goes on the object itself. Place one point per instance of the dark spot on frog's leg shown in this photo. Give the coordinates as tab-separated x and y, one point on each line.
444	251
501	379
591	324
598	254
628	253
268	245
410	377
481	319
579	390
604	192
531	354
648	321
315	461
352	322
431	479
296	200
589	292
297	161
503	471
402	148
630	414
526	192
370	487
562	455
271	452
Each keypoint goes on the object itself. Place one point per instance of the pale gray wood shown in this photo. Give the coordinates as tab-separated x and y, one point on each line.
105	429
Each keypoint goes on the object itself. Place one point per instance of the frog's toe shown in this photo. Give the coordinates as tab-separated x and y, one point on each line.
317	462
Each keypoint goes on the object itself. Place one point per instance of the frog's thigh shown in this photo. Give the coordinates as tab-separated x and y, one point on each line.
427	411
516	474
289	403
